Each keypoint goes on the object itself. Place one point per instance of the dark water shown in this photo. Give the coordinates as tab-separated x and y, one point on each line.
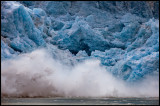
79	101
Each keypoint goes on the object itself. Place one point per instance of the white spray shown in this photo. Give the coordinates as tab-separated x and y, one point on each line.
37	74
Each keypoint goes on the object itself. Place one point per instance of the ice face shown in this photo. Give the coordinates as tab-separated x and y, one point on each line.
18	26
123	35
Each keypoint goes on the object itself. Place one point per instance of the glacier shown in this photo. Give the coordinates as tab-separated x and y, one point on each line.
123	35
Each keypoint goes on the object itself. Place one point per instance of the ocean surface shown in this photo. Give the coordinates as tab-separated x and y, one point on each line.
79	101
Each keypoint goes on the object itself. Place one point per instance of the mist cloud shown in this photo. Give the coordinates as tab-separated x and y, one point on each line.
37	74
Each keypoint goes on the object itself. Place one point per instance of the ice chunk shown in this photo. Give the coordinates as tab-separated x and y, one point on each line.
6	51
109	57
55	8
22	44
81	37
56	25
131	18
18	23
128	33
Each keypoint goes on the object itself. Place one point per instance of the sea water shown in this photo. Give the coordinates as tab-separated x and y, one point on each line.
80	101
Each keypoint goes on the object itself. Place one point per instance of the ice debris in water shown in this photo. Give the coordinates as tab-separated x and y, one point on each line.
125	39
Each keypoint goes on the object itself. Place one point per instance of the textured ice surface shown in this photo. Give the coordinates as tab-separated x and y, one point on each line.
123	35
17	25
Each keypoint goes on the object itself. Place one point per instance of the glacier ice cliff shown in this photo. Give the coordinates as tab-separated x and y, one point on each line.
123	35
